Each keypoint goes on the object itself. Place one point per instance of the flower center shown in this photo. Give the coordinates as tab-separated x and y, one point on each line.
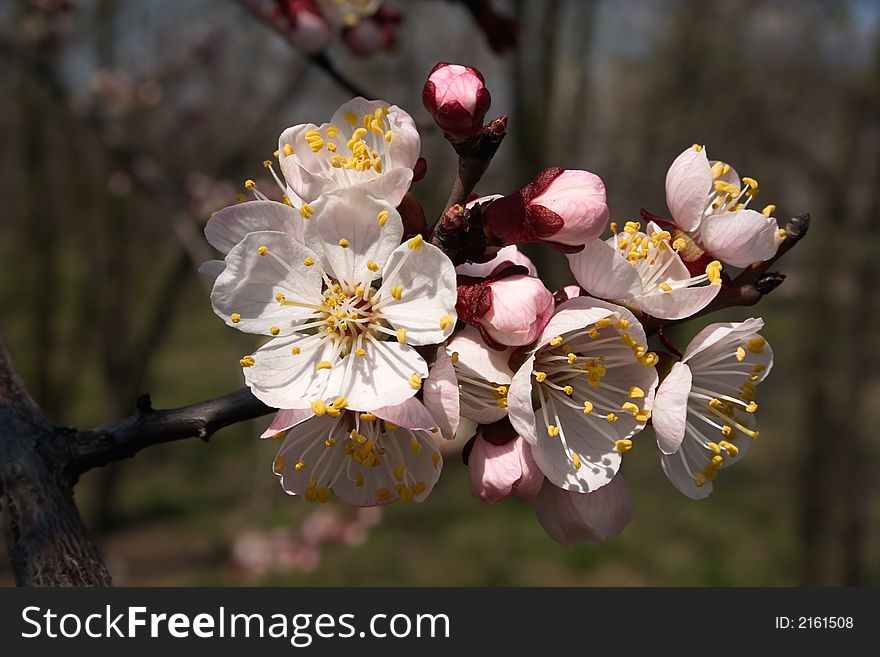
570	372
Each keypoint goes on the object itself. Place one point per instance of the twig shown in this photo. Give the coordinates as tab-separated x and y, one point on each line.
256	10
125	438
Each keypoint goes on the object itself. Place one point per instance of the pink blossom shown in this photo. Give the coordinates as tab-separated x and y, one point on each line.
508	310
501	471
458	100
571	517
565	208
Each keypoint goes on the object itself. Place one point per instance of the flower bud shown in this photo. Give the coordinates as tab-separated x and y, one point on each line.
374	33
564	208
570	517
458	100
309	30
509	309
501	471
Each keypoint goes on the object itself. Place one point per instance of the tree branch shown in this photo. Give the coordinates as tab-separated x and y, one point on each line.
256	10
125	438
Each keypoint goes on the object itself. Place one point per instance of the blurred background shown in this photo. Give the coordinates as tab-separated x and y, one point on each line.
123	125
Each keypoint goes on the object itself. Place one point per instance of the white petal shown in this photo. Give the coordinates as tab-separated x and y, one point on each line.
519	403
600	461
669	414
426	308
301	170
440	394
227	227
677	472
688	184
714	333
740	238
353	216
390	186
577	313
571	518
282	379
212	268
249	285
381	377
603	272
680	303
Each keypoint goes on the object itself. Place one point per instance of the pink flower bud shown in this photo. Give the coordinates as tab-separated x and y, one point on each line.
509	309
458	100
565	208
309	30
374	33
501	471
570	517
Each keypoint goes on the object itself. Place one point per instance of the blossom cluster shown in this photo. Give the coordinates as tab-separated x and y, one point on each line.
383	346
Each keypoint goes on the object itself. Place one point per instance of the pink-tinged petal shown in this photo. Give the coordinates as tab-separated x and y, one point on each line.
676	470
715	333
259	269
212	268
285	419
669	415
521	307
411	414
740	238
603	272
344	229
477	359
227	227
440	394
678	304
508	255
688	184
500	471
571	291
571	518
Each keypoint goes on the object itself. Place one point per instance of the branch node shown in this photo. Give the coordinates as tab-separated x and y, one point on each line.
144	404
768	282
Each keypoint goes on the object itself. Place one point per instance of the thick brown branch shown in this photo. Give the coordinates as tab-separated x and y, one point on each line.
255	8
45	535
125	438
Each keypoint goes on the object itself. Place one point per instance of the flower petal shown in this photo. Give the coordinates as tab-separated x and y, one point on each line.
283	379
245	294
680	303
669	414
519	403
212	268
477	359
286	419
346	231
440	394
740	238
426	308
571	518
227	227
688	184
715	333
603	272
410	414
676	470
382	376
